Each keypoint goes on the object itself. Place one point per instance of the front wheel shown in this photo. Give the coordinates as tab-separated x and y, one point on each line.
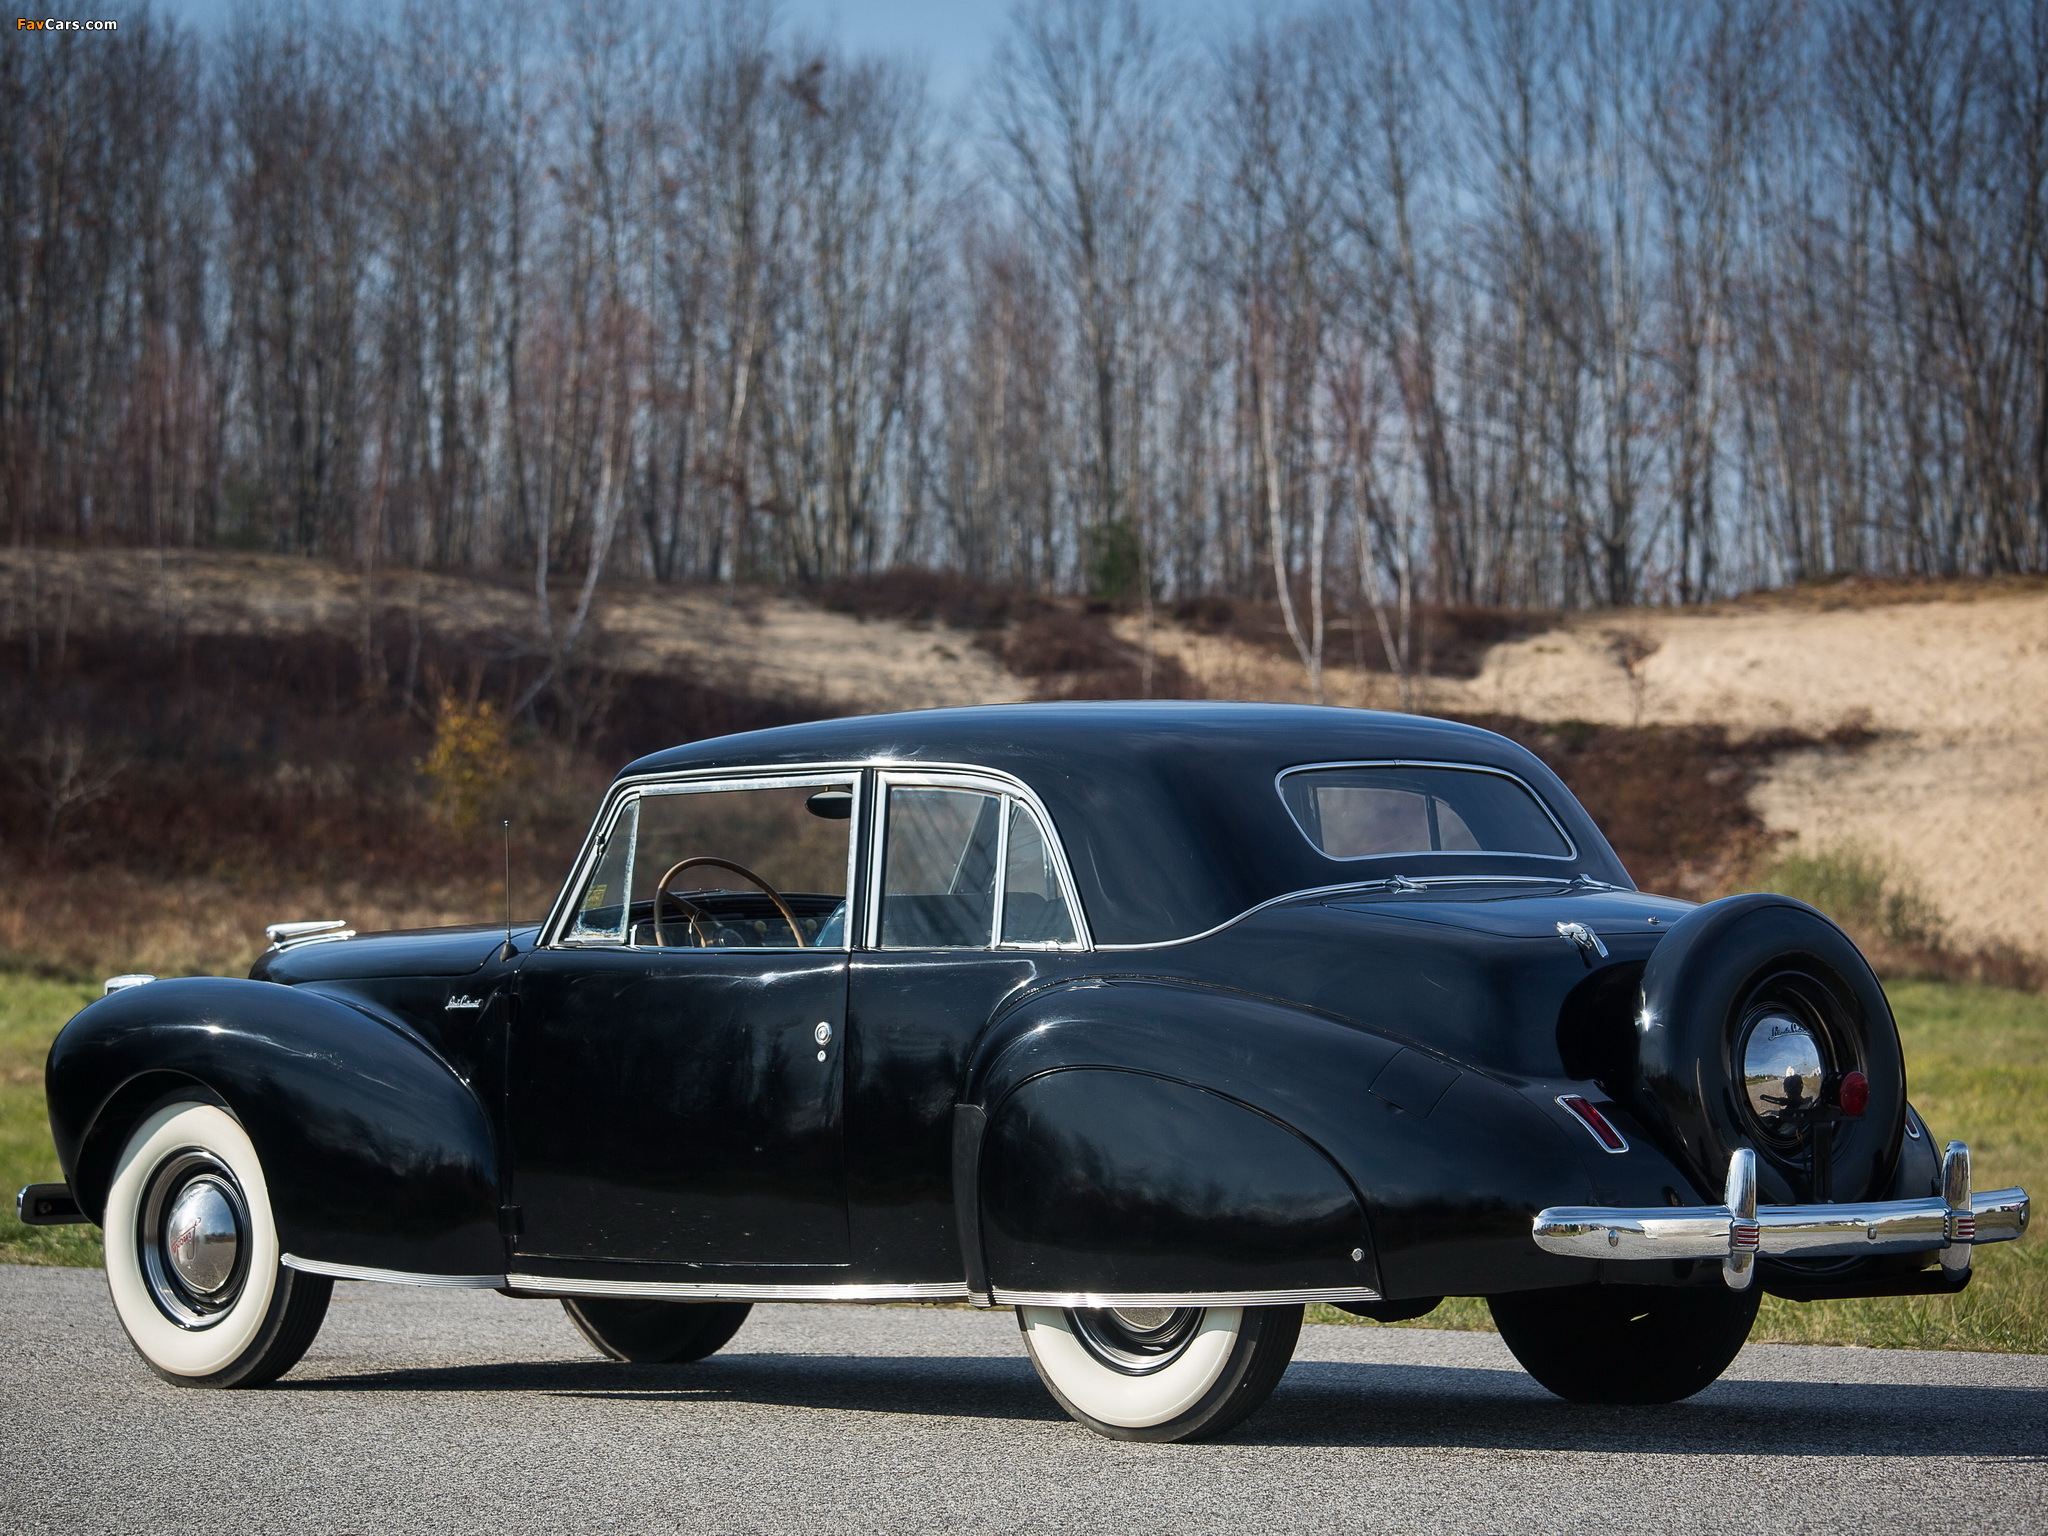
1160	1373
1626	1343
193	1262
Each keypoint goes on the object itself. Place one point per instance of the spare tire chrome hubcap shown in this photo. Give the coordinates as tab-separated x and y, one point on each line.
1783	1073
194	1239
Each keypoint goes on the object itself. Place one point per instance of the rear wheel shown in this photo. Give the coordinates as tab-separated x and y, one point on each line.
193	1258
1160	1373
657	1332
1625	1343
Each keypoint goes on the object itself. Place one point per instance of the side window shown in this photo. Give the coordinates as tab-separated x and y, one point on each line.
939	868
728	868
1034	907
601	914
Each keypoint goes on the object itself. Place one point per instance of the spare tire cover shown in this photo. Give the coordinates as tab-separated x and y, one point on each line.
1767	966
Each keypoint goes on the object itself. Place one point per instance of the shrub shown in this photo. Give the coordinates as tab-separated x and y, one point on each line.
471	762
1863	892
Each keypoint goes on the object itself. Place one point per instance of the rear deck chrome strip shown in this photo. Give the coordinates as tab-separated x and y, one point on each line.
711	1290
1340	1293
391	1276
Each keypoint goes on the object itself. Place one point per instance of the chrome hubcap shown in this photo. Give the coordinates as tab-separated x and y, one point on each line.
1783	1073
194	1239
202	1238
1136	1341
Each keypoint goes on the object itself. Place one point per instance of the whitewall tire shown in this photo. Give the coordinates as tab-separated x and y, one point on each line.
1160	1373
193	1257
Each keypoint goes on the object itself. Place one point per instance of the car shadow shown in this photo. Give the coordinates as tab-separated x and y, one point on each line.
1341	1404
1321	1403
946	1386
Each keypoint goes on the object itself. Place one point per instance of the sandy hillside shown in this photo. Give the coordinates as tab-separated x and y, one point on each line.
749	640
1955	789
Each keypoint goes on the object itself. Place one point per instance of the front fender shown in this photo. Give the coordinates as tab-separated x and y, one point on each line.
375	1152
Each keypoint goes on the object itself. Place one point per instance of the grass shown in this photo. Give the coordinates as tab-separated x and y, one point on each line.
32	1010
1978	1058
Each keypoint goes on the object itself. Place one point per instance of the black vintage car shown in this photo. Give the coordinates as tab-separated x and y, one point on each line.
1152	1021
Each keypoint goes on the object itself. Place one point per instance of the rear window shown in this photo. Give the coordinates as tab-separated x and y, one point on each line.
1368	812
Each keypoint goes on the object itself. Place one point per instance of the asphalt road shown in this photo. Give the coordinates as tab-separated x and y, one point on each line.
421	1411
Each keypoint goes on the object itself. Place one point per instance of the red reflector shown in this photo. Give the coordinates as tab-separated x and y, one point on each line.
1594	1121
1854	1093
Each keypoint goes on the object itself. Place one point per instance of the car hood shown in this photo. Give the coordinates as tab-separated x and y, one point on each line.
401	952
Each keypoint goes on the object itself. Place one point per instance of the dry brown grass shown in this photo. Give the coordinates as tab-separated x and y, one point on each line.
1833	593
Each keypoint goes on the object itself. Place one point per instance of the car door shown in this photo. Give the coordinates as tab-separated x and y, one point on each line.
970	905
674	1087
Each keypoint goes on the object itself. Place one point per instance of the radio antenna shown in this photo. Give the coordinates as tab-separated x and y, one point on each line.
508	951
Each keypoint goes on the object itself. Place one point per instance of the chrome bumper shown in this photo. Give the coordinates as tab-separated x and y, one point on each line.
1738	1231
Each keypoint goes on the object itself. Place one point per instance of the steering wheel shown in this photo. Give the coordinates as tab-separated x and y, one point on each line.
696	914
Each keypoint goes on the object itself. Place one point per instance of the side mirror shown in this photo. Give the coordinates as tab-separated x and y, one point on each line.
831	804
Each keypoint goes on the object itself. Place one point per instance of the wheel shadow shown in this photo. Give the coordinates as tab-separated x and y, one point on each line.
1319	1403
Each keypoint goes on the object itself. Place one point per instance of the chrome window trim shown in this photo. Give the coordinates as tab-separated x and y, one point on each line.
391	1276
1091	1299
1280	778
561	914
712	1290
982	781
562	919
568	938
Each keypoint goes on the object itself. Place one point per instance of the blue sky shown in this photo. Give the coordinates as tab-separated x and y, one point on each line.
955	37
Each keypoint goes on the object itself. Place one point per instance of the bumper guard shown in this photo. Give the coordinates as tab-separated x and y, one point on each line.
1739	1231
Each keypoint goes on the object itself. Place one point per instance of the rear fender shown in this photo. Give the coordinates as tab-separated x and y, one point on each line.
376	1153
1285	1113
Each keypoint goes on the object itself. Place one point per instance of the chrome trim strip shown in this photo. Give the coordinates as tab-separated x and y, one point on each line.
1416	762
1005	1298
1783	1231
392	1276
711	1290
1351	887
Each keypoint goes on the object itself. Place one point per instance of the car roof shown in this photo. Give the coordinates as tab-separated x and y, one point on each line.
1168	810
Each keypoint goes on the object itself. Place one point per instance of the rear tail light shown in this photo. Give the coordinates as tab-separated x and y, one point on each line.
1853	1093
1591	1118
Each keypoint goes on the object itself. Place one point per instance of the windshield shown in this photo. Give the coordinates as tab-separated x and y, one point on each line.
1374	810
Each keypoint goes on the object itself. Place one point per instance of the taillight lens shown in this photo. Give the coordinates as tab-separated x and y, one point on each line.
1853	1093
1591	1118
